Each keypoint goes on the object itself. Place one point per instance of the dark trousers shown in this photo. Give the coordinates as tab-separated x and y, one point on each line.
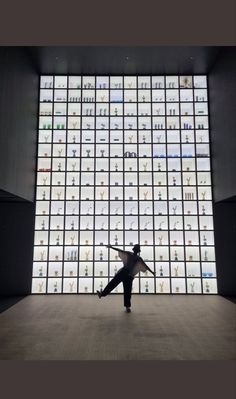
121	276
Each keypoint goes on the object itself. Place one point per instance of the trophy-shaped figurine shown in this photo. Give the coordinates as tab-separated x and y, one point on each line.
174	181
116	111
71	286
74	139
144	139
42	255
205	257
87	255
86	270
41	272
145	167
204	240
159	196
130	139
161	285
59	195
73	166
130	125
174	209
203	195
159	167
46	139
188	179
192	287
175	255
175	224
145	195
88	210
160	225
116	240
72	239
72	225
158	139
186	139
176	269
88	153
59	167
146	287
40	287
144	126
102	195
102	153
45	181
59	152
161	271
43	225
160	240
73	181
116	167
117	224
203	210
131	225
58	240
44	195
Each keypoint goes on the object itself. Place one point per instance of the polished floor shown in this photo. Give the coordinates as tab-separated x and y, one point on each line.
86	328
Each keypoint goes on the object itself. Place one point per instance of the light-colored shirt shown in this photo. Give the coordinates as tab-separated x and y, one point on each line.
132	262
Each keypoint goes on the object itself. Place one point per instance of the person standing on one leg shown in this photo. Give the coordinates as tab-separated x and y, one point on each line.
133	264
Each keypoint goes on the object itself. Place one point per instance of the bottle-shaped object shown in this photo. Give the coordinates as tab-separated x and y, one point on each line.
43	225
146	287
44	195
204	240
161	271
207	287
205	256
58	240
175	255
72	225
55	286
41	272
101	255
159	196
86	270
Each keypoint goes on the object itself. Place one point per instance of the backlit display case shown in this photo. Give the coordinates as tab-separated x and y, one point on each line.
123	160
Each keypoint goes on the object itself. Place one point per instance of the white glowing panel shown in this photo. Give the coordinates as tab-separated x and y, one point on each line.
123	160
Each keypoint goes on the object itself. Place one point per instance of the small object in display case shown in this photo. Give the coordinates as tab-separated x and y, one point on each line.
176	269
207	287
146	287
87	253
161	286
40	287
204	240
160	240
55	286
161	271
175	255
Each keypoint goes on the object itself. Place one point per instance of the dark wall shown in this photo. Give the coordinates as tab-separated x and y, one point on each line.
222	94
18	121
222	91
18	142
225	240
17	234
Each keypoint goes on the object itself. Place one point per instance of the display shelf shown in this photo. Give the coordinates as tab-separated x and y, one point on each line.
121	160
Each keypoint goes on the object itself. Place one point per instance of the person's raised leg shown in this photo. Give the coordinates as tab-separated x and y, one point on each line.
111	285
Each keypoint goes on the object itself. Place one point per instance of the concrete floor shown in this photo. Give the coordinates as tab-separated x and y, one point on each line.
86	328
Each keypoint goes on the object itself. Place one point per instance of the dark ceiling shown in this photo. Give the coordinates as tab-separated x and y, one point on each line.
123	60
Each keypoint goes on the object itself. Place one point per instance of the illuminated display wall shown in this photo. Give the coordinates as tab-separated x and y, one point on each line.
123	160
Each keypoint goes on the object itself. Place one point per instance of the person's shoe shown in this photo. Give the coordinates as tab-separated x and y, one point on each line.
99	294
128	310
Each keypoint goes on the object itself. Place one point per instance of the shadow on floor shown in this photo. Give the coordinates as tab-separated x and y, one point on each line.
230	298
8	302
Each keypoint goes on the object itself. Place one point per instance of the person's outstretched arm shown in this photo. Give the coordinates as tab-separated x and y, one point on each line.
115	249
148	268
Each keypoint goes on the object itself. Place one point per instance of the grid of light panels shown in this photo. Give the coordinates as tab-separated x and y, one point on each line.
123	160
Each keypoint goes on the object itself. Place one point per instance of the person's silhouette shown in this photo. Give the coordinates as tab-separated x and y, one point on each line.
133	264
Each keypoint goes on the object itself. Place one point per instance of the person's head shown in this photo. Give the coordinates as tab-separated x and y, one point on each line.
136	249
